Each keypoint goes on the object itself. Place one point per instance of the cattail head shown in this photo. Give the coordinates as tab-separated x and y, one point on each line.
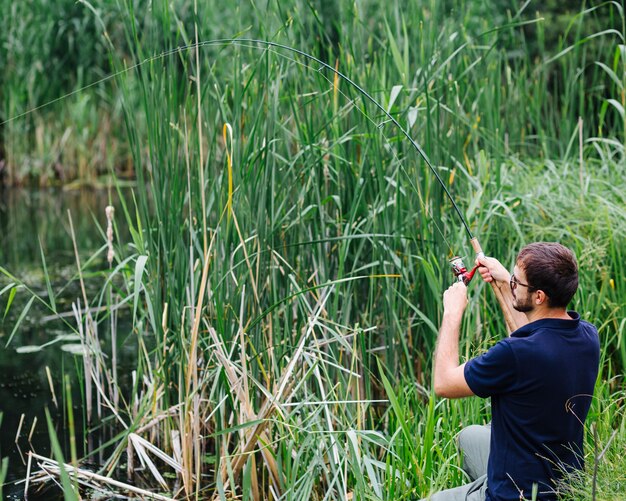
109	211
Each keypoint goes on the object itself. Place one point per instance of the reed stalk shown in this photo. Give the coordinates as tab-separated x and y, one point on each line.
288	248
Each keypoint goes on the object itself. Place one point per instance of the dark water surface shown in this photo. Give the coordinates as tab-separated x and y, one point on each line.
27	218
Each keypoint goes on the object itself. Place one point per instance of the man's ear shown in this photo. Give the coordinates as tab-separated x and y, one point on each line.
541	297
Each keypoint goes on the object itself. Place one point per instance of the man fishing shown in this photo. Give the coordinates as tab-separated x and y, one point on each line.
540	379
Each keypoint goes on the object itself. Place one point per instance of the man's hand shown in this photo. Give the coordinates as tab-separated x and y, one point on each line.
491	269
455	299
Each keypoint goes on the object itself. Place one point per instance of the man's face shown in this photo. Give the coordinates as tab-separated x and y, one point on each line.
522	297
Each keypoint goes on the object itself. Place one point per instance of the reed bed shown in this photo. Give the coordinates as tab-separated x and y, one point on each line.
289	249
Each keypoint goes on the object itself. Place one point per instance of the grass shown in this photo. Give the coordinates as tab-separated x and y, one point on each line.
603	478
285	276
48	50
4	466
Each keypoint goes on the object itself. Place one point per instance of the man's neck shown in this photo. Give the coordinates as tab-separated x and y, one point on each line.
540	313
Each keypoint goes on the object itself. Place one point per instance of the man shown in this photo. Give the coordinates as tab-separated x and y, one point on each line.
540	379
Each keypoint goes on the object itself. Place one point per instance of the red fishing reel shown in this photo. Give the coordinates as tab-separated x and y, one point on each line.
460	271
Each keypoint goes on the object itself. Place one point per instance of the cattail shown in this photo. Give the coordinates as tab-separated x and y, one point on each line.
109	213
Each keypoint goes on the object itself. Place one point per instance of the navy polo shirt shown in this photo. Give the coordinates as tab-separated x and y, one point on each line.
540	381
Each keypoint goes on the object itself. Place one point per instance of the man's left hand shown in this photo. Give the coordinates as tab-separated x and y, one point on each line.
455	299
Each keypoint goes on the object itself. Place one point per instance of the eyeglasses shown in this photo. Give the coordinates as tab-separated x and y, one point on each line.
514	282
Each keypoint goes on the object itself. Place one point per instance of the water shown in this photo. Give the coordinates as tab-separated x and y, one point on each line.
29	219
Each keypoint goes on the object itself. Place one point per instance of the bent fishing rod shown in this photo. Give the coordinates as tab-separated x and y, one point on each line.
460	271
458	268
266	43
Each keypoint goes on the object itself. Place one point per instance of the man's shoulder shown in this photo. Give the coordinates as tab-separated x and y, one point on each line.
502	350
556	338
590	332
588	326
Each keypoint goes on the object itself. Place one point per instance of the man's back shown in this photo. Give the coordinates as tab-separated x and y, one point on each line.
541	380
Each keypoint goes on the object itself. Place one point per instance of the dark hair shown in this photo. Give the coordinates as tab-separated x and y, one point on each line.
552	268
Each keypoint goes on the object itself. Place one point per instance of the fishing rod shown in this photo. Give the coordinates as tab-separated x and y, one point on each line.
462	276
241	41
363	92
458	268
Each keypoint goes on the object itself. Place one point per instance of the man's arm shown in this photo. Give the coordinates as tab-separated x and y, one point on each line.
449	377
492	271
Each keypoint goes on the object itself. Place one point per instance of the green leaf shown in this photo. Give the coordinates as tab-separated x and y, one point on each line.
611	74
429	437
395	52
48	284
151	316
395	405
618	106
139	268
19	320
68	489
11	285
138	235
583	41
9	302
420	314
3	473
233	429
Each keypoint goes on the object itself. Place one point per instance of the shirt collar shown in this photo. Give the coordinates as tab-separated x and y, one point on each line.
548	323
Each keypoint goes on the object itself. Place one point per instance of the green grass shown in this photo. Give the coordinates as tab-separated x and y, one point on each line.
4	466
285	327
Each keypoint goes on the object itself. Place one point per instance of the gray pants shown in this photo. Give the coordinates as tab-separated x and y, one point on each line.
474	447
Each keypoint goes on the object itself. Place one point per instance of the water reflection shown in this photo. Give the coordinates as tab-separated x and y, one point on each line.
27	218
26	215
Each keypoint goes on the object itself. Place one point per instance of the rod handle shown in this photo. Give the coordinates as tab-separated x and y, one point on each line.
476	246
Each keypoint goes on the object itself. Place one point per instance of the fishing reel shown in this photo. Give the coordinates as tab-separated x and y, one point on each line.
460	271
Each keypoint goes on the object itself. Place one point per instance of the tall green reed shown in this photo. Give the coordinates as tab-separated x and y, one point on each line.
548	84
314	291
297	185
57	125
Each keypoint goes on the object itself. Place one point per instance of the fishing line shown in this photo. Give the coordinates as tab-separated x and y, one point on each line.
246	43
364	93
379	126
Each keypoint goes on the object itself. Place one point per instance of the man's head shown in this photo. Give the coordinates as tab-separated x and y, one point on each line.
548	274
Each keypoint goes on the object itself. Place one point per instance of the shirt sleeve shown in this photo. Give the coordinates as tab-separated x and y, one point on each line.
494	372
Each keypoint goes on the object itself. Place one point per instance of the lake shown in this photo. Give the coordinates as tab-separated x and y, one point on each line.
41	352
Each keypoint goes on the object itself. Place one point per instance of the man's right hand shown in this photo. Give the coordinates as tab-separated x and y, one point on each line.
491	269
